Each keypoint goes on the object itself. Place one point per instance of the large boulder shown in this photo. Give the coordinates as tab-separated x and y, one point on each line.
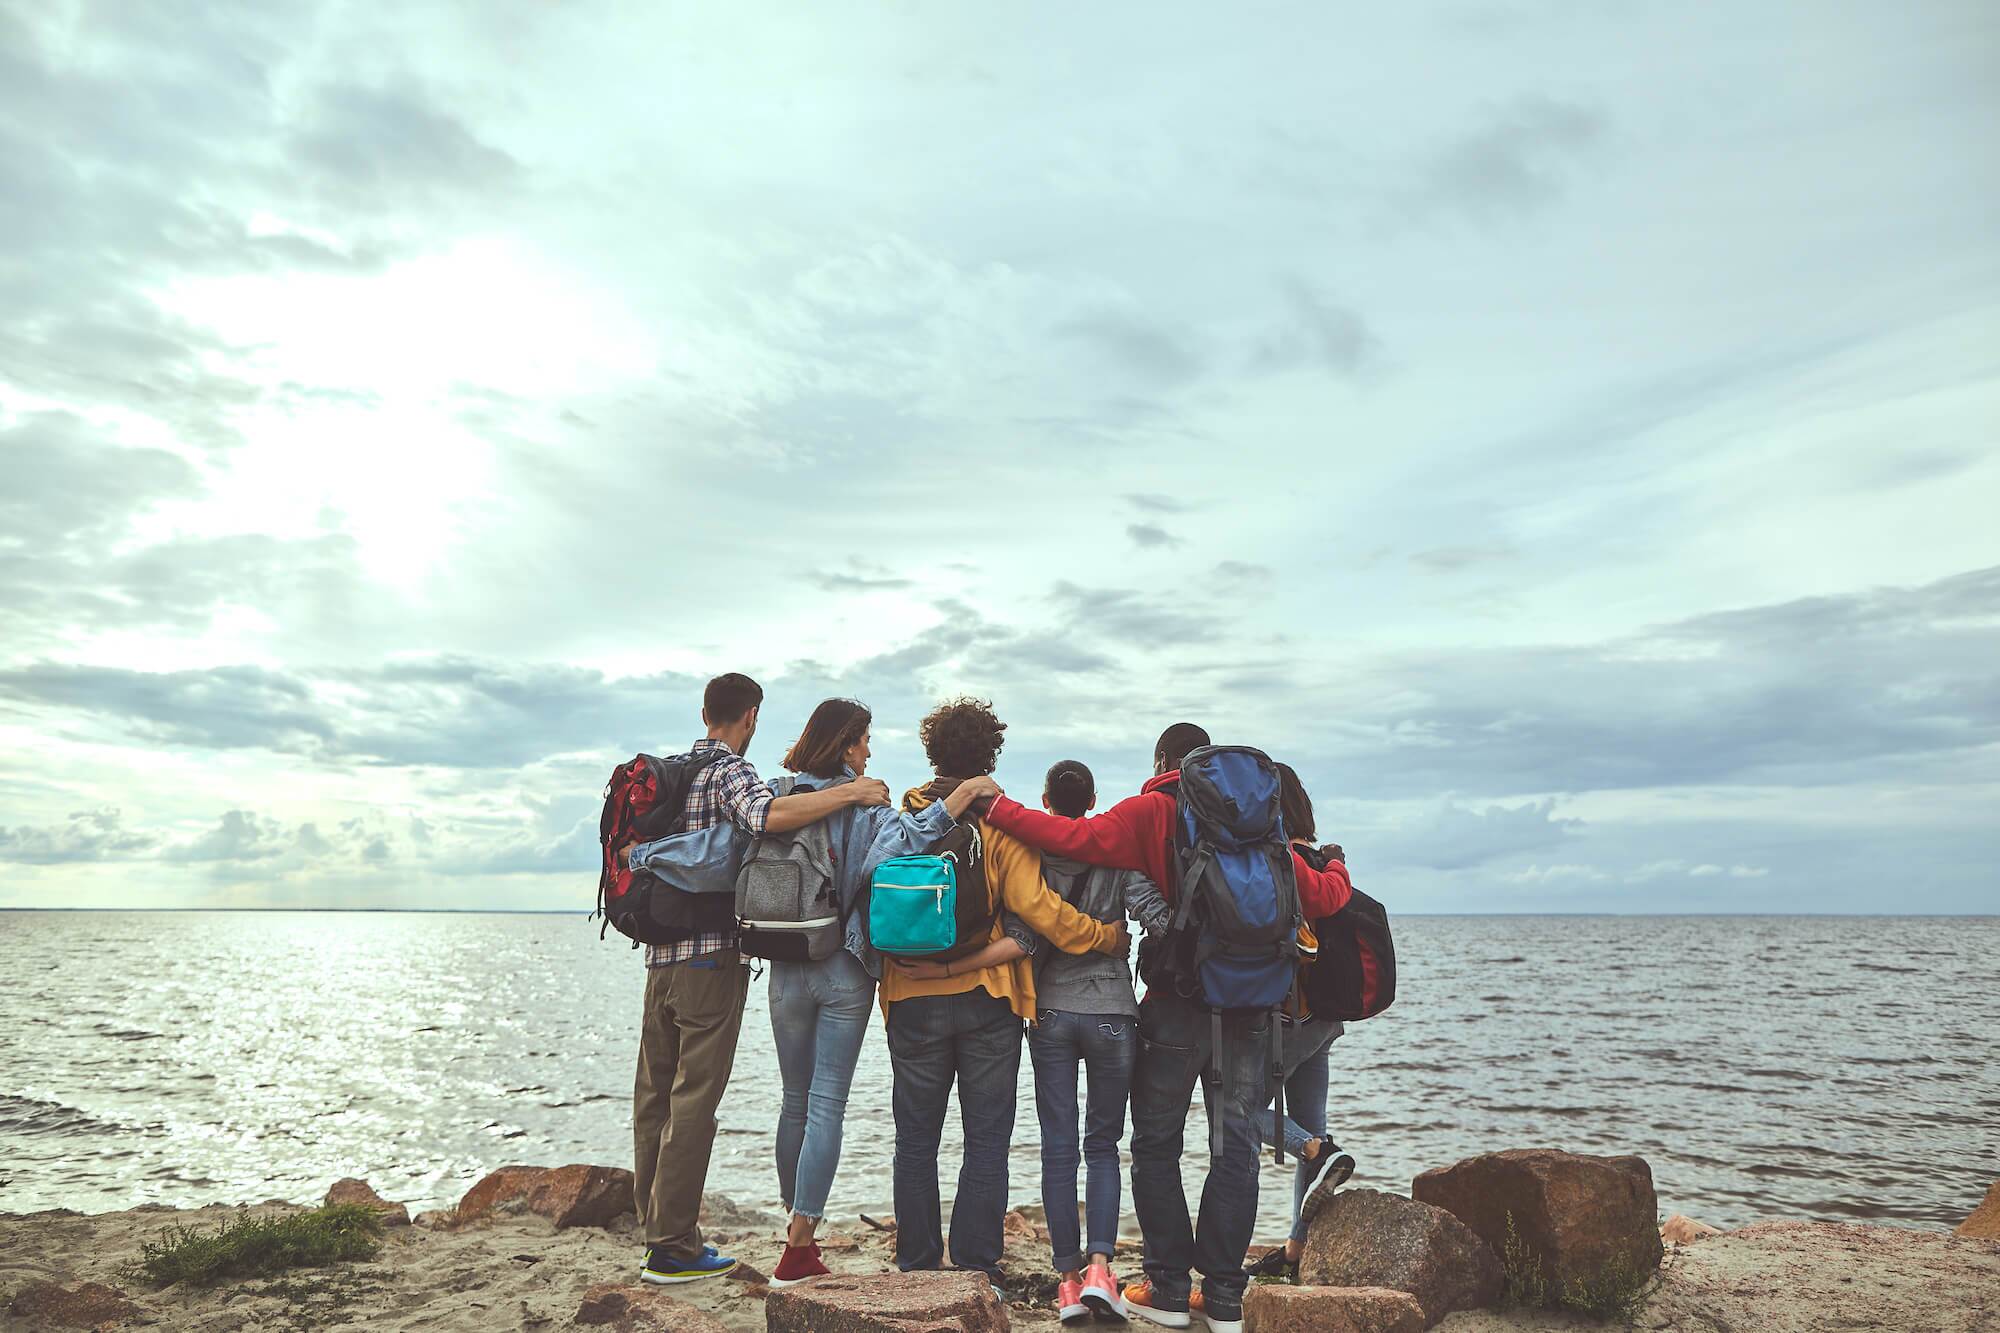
351	1190
1270	1307
935	1302
91	1305
1583	1218
1364	1238
642	1310
569	1196
1984	1224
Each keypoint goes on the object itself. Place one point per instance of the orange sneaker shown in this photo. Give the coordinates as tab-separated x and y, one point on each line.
1198	1307
1139	1300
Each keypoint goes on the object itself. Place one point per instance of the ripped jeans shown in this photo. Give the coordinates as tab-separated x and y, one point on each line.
1106	1045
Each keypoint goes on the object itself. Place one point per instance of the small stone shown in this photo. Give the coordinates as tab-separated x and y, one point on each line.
744	1272
1679	1230
90	1305
495	1188
642	1310
834	1240
1984	1224
1271	1307
887	1303
1017	1225
351	1190
569	1196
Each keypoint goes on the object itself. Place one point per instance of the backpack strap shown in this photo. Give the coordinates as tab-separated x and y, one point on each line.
1278	1082
1197	866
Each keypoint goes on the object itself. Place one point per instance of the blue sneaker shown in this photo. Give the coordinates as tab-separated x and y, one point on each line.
663	1271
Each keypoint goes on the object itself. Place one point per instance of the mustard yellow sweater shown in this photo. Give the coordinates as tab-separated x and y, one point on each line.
1014	872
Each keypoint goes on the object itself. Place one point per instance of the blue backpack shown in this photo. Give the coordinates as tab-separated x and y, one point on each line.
1236	913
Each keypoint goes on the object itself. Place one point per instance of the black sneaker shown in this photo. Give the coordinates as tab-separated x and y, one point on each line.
1273	1263
1336	1165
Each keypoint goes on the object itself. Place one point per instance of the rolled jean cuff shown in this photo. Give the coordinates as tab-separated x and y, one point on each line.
1109	1249
1068	1263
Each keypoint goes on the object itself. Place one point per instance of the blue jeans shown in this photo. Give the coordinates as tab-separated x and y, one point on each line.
819	1015
1305	1105
975	1038
1174	1051
1106	1044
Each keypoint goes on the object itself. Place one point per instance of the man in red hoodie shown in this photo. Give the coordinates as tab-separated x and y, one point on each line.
1174	1052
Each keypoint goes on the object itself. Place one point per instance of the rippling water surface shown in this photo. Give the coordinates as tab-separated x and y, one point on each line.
1816	1067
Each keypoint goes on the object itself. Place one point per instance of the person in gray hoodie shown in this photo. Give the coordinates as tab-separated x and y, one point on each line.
1086	1013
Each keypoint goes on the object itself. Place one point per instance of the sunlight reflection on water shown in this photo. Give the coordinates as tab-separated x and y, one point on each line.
1815	1067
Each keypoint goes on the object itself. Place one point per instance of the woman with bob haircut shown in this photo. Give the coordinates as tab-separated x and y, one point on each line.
819	1010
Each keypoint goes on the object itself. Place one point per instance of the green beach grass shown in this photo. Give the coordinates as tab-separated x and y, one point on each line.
258	1247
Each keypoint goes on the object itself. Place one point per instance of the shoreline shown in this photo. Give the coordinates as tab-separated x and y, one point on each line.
535	1262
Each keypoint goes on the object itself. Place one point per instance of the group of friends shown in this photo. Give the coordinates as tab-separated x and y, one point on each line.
1067	882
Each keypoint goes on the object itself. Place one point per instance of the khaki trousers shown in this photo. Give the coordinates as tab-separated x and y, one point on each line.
687	1046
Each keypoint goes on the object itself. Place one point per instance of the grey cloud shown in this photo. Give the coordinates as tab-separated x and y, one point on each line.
1452	836
1798	693
136	152
88	835
1136	345
1318	333
1150	503
241	835
1132	618
859	576
1515	163
1454	559
381	144
1151	536
67	558
1244	573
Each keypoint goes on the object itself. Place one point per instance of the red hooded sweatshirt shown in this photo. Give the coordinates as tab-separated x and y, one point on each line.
1138	834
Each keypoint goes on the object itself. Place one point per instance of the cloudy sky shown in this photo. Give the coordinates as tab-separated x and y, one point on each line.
1565	431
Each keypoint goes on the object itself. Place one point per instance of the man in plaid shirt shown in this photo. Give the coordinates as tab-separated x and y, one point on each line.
694	997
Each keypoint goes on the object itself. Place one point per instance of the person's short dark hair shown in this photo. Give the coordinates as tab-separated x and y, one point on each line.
1069	788
728	697
1294	805
1176	741
830	732
962	738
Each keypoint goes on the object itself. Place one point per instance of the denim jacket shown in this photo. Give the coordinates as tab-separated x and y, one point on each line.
863	837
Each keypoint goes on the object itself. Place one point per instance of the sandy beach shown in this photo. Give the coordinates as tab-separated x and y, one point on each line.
516	1270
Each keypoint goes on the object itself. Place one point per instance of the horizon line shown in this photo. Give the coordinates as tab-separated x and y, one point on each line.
565	911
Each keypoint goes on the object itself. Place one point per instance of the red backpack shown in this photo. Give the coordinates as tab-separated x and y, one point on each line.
645	799
1354	976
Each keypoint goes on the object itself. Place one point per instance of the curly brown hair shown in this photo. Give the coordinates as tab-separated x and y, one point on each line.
962	738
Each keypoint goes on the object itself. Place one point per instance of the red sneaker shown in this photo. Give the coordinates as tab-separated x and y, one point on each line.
1069	1302
1100	1293
798	1263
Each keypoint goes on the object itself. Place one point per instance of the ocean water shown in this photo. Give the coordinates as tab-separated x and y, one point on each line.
1807	1067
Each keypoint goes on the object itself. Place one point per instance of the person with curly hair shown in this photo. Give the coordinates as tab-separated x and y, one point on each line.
962	1019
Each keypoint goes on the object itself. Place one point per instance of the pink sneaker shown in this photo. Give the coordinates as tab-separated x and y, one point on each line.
1100	1293
1069	1302
798	1263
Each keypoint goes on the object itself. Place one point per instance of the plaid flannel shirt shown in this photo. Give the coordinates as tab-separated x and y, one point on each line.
728	789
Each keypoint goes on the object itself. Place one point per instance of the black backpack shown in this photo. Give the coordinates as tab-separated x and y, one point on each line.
1354	976
645	799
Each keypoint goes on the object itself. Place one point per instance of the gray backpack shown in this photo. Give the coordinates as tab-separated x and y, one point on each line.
787	908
